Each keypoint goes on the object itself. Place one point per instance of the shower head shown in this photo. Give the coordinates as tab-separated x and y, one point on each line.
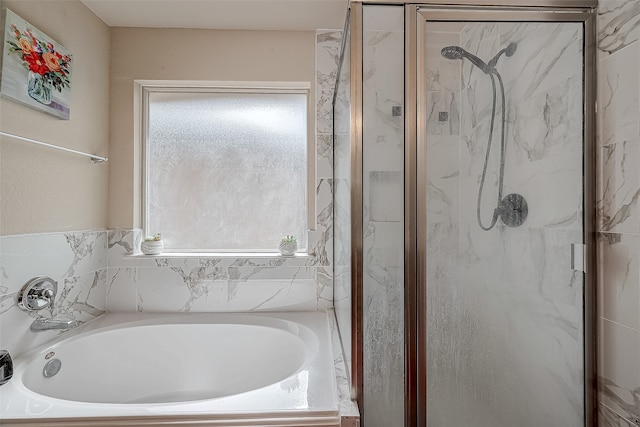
509	51
452	52
456	52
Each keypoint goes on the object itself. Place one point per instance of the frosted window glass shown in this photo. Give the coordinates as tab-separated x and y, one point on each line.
227	171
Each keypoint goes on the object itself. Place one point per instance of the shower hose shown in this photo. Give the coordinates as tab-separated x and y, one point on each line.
503	148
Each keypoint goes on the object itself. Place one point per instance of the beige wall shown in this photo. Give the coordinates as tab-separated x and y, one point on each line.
181	54
43	190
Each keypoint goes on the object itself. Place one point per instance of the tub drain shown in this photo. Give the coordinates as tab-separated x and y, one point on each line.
51	368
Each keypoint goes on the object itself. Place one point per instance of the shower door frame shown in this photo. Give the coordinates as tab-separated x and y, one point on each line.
415	175
415	213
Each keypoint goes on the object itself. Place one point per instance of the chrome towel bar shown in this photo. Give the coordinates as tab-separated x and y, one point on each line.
94	158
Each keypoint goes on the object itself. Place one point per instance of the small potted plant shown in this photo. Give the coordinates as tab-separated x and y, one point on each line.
288	245
152	245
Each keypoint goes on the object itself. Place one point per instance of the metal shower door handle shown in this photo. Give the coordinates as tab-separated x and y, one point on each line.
577	257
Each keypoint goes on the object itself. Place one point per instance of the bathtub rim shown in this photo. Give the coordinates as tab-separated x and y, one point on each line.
176	414
276	419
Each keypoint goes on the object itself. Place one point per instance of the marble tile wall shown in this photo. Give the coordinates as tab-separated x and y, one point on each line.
383	209
328	43
77	261
618	213
208	283
504	305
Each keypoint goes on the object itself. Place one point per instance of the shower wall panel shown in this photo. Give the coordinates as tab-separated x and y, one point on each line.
383	211
342	203
505	309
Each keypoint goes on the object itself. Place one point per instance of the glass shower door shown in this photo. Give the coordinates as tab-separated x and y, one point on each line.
383	298
501	193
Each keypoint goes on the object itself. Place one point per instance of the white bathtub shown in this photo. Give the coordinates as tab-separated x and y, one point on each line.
205	369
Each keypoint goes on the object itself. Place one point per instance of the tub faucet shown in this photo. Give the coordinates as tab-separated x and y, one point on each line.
42	324
6	367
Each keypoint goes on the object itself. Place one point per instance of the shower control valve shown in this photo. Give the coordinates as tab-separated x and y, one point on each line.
37	294
513	210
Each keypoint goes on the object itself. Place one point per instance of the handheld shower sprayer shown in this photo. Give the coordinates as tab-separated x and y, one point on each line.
456	52
512	208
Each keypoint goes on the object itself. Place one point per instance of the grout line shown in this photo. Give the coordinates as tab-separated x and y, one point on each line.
620	324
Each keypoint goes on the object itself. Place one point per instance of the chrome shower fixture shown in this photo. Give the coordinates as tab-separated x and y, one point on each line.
513	208
456	52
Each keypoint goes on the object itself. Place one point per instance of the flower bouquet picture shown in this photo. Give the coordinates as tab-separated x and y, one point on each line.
36	70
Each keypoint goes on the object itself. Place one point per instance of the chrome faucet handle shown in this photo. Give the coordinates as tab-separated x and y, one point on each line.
6	367
37	294
47	293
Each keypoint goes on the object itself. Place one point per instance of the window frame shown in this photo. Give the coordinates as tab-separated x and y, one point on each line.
143	88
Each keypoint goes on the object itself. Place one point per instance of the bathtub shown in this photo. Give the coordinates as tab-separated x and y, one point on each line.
197	369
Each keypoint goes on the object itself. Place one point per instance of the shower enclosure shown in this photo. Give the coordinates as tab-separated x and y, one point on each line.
469	185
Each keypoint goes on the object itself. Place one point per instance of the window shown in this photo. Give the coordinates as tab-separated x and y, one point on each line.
225	169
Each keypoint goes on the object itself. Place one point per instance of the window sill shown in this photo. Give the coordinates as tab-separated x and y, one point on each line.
234	255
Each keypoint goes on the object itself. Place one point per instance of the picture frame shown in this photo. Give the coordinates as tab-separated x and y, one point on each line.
36	69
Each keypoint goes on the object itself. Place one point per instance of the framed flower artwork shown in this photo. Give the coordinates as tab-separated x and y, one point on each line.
36	70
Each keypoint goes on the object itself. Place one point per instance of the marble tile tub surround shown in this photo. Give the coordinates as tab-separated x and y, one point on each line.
200	283
618	212
76	260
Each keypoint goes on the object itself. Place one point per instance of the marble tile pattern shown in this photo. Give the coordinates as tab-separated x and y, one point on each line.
328	44
208	283
618	214
383	211
618	25
619	96
77	261
608	418
504	306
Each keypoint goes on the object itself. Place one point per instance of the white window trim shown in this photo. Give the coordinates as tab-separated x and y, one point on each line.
142	88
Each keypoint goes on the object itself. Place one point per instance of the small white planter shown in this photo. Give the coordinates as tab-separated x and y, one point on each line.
288	248
152	247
